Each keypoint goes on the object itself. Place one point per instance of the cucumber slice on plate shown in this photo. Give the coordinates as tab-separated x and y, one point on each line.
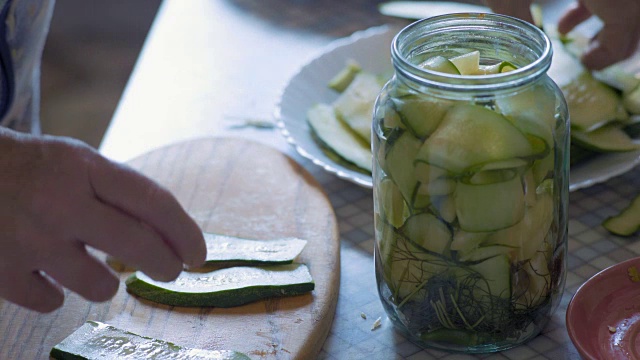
225	287
339	137
345	77
98	341
609	138
355	105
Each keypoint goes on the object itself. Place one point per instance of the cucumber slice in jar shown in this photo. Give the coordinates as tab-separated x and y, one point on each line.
467	64
428	232
489	207
399	165
421	115
392	203
440	64
470	135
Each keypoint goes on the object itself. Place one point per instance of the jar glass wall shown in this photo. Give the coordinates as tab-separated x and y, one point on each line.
470	181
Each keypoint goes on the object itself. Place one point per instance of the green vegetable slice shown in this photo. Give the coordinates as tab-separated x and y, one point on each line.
627	222
609	138
339	137
97	341
355	105
225	287
342	79
440	64
222	248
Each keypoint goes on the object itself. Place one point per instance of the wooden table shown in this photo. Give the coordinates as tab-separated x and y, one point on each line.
208	65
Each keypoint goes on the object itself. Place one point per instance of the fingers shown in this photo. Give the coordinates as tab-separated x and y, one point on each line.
609	47
574	16
31	290
141	198
128	240
74	268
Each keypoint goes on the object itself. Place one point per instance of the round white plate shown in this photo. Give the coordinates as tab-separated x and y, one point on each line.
371	48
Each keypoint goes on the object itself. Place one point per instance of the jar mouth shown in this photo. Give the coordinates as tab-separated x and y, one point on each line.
503	37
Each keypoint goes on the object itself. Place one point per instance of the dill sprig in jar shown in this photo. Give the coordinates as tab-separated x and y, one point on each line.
470	174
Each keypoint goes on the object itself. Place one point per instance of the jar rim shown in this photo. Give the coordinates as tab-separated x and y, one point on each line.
512	26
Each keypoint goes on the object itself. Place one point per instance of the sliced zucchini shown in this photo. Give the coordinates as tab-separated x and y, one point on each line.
228	287
467	64
592	104
489	207
454	145
609	138
497	274
392	202
399	164
343	79
631	101
428	232
440	64
230	249
98	341
339	137
421	115
627	222
355	105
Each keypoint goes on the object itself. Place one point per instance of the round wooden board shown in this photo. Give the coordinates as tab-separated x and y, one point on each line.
234	187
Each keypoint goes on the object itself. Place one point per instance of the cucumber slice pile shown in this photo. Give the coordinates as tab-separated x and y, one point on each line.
97	341
465	206
627	222
235	281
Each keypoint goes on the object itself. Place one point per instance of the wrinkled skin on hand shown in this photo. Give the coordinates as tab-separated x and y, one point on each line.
617	40
58	197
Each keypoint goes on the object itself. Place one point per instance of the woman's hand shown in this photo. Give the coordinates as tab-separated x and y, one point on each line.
58	196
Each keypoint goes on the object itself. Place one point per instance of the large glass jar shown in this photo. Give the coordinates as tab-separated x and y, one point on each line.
470	186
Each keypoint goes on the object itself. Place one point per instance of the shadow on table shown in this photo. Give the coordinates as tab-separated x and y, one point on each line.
329	17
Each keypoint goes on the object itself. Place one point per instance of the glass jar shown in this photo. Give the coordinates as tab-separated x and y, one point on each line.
470	182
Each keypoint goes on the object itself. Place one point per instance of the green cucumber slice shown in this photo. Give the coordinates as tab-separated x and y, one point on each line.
399	165
631	100
421	115
391	201
489	207
454	145
592	104
230	249
428	232
497	274
98	341
225	287
467	64
627	222
609	138
343	79
440	64
355	105
339	137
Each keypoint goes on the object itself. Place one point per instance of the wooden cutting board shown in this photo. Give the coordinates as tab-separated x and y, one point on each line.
233	187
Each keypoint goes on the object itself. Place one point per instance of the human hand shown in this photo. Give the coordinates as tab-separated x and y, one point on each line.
58	196
619	36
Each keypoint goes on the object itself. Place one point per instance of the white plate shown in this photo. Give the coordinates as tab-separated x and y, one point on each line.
371	48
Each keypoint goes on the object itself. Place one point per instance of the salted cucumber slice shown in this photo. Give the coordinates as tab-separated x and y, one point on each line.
98	341
339	137
440	64
609	138
421	115
468	63
225	249
225	287
455	144
355	105
627	222
342	79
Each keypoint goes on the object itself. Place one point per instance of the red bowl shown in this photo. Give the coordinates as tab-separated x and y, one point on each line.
603	317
